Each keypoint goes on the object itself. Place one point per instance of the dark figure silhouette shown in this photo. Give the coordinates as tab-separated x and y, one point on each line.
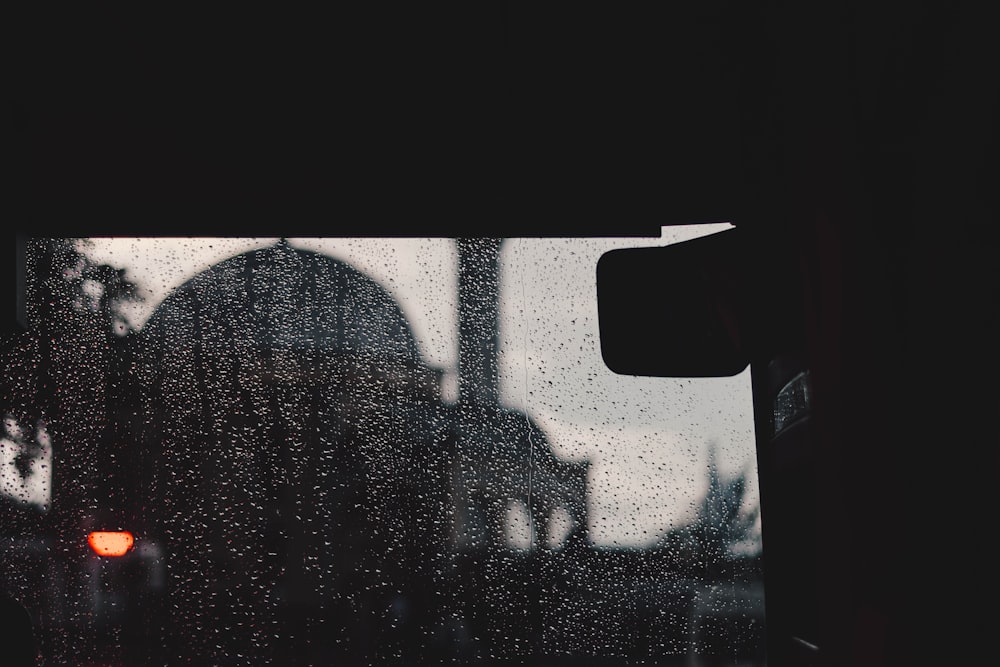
17	635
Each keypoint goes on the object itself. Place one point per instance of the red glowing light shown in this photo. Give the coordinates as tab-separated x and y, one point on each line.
110	543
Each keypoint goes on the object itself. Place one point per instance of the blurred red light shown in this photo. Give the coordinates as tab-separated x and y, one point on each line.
110	543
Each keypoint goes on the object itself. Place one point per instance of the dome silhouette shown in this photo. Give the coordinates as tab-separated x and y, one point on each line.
291	433
287	299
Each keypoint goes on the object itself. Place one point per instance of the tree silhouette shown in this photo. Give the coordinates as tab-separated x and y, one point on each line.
65	370
66	286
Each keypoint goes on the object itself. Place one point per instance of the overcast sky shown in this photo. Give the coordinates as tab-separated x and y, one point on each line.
647	438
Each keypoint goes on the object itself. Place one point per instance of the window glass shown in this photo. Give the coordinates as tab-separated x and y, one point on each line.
365	451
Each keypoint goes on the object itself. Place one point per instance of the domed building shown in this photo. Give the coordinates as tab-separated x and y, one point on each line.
299	491
315	497
295	459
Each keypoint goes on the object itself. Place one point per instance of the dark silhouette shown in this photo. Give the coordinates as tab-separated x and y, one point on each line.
18	645
856	143
300	491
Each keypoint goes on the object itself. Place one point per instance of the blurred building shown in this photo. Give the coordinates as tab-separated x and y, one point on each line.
302	494
296	450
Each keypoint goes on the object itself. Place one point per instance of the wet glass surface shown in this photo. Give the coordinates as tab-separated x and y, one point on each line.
365	451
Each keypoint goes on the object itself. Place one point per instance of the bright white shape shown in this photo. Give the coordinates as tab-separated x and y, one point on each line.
34	488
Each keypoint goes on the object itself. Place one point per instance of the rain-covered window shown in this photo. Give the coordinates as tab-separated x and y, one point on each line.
364	451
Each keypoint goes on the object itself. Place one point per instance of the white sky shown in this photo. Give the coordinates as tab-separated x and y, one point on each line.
647	438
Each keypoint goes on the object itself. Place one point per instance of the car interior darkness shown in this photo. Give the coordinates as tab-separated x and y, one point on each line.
852	148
